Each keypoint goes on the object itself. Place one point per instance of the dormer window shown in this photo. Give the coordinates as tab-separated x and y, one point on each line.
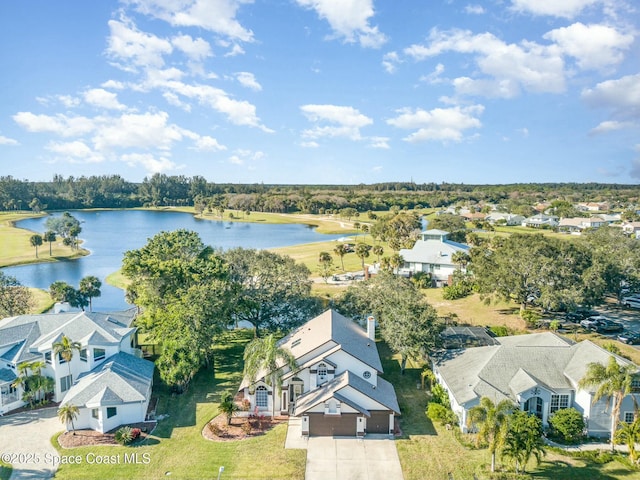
83	354
47	357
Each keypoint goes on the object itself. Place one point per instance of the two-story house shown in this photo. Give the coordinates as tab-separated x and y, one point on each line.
106	352
336	388
538	372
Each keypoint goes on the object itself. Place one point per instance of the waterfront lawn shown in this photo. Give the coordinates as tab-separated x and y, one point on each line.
16	246
177	448
5	471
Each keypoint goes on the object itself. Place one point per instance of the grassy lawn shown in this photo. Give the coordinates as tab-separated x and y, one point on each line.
177	444
41	300
16	247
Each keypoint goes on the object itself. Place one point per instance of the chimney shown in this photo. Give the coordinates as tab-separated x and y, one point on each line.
371	327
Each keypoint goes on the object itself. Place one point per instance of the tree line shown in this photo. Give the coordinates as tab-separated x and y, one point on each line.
113	191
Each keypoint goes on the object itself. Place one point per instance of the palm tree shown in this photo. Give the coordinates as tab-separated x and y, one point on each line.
67	414
50	237
377	251
629	434
490	420
90	288
362	251
263	355
612	382
65	348
341	250
36	241
227	406
461	258
523	439
326	262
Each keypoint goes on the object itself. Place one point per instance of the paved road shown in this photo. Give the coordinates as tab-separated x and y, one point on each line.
345	458
25	442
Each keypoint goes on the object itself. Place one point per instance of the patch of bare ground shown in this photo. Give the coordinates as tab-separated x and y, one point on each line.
86	438
240	428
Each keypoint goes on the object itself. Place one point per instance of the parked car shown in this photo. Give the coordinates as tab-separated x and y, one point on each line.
629	338
631	302
591	322
580	314
608	326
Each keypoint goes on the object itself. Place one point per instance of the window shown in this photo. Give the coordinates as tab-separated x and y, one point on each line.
83	354
65	383
558	402
47	357
98	354
61	360
111	412
628	417
322	372
635	385
94	412
262	397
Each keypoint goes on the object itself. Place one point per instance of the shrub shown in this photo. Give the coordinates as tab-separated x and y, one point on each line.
246	427
500	330
124	435
442	414
135	433
421	279
567	424
439	395
245	405
531	317
216	429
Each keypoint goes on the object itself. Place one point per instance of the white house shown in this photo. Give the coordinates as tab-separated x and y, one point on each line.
433	254
506	218
578	224
107	352
539	373
336	388
540	220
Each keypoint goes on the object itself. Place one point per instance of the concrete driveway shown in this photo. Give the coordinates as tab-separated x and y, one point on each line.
346	458
25	443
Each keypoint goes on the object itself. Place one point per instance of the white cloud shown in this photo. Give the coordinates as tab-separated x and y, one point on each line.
146	131
343	121
236	160
235	51
173	99
149	162
621	96
248	80
349	19
610	126
593	46
209	144
435	76
439	124
113	85
244	156
218	16
131	48
311	144
101	98
196	50
75	151
390	61
555	8
8	141
60	124
509	67
379	142
474	9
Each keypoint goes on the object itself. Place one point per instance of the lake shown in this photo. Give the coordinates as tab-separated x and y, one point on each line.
108	234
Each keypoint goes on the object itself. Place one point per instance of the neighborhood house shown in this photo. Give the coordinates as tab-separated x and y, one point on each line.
105	378
336	389
538	372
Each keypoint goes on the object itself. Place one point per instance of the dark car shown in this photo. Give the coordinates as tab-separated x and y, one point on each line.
629	338
608	326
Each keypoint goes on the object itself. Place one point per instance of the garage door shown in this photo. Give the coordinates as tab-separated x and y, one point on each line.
378	423
329	425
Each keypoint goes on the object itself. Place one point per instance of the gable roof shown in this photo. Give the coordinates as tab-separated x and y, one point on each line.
333	330
339	388
38	333
435	252
517	364
123	378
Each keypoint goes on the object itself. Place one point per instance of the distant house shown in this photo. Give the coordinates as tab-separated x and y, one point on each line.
538	372
432	253
541	220
578	224
506	218
474	216
631	228
105	379
336	389
593	206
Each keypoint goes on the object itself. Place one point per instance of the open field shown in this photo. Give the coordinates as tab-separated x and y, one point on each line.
177	447
16	247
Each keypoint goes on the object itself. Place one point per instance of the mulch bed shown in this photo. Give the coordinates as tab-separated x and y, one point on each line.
237	429
83	438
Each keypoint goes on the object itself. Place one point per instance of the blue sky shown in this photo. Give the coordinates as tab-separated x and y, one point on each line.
322	91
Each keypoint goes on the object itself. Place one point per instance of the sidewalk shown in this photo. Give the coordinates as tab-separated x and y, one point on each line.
587	446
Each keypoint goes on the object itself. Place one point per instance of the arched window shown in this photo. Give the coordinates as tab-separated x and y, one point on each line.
262	398
322	372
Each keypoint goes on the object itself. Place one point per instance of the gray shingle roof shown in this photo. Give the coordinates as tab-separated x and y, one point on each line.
518	363
122	378
7	375
433	252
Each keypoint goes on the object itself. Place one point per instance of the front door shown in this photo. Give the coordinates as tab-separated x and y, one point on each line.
295	390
